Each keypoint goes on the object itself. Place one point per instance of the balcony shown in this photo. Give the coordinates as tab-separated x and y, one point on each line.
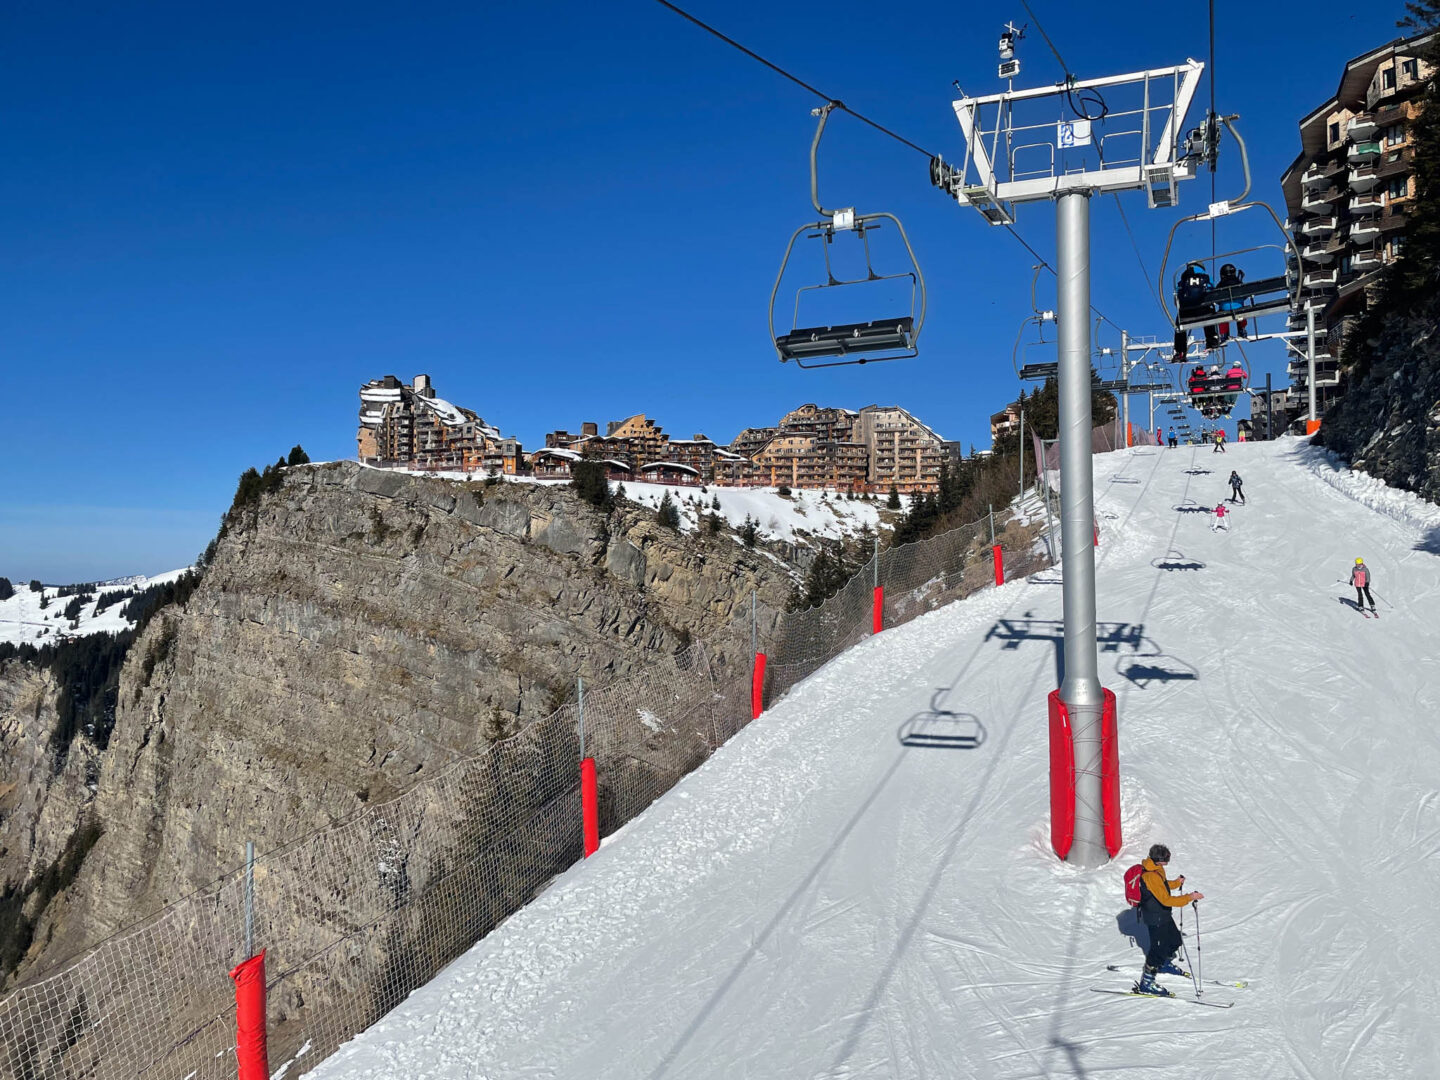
1321	171
1321	251
1364	152
1361	127
1315	201
1368	259
1366	205
1320	226
1391	221
1362	232
1322	280
1364	178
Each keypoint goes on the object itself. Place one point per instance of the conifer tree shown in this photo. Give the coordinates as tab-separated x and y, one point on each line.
667	514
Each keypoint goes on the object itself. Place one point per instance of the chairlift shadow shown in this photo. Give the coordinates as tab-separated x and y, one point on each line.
1161	667
1197	472
942	728
1176	560
1046	577
1194	508
1124	480
1430	542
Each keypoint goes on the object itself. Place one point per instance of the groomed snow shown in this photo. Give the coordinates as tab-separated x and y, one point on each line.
820	900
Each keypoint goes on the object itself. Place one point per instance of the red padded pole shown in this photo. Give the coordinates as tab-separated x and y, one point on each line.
1062	777
757	687
250	1050
589	806
1110	774
999	564
877	612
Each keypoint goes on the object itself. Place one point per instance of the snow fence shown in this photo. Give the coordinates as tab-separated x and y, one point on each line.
356	916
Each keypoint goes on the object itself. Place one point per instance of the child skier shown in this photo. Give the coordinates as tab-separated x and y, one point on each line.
1219	441
1360	578
1235	487
1219	522
1156	901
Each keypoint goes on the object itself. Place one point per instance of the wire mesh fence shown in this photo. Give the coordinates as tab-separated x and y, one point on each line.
356	916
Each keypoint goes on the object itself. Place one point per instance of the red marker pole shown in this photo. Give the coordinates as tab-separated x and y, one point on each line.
999	564
250	1050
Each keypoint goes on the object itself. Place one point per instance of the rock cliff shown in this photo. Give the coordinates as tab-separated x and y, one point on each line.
1388	420
357	631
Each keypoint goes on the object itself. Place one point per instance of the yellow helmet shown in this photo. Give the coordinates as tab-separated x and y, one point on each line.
1359	560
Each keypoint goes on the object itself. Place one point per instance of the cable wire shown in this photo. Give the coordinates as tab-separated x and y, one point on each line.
1040	259
794	78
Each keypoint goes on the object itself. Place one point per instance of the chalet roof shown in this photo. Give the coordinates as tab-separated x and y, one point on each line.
669	465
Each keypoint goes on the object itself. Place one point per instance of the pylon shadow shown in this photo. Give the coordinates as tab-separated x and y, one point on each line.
944	729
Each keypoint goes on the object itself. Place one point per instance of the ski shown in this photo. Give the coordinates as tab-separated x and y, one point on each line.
1166	997
1241	985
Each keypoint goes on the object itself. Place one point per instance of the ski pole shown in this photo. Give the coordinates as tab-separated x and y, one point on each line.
1198	979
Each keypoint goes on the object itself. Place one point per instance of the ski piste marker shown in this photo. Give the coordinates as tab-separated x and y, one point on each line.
1241	985
1165	997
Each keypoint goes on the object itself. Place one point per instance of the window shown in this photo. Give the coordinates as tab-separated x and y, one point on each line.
1411	70
1387	78
1335	132
1397	245
1398	187
1394	134
1345	265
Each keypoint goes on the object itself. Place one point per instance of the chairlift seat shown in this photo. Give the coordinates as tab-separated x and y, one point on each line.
1251	298
847	339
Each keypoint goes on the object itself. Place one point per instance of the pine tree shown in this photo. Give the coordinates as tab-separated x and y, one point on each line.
893	502
7	590
590	483
298	456
667	514
750	531
712	522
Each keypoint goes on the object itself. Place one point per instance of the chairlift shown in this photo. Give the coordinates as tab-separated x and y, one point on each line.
1217	302
893	338
1032	369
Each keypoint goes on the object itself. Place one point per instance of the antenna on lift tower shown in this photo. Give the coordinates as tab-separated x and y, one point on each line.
1009	65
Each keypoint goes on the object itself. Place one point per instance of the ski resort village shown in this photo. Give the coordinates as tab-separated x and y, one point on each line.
633	682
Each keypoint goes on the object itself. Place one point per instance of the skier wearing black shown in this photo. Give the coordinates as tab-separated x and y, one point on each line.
1235	487
1156	900
1360	578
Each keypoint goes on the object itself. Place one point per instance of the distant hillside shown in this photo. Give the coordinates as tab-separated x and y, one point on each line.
63	611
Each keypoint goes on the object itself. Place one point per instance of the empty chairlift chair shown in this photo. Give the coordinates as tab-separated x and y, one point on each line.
892	337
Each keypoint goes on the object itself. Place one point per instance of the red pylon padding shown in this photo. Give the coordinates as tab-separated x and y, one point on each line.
250	1050
589	806
999	564
877	610
757	687
1110	774
1062	777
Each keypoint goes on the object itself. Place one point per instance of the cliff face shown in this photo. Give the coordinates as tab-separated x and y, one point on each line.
356	633
1388	422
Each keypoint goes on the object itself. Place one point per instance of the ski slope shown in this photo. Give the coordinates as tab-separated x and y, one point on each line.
821	900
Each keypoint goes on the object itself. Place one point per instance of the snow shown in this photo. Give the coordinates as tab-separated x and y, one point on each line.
22	621
791	518
821	900
448	413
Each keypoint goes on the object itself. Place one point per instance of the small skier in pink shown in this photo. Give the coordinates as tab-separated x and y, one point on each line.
1219	522
1360	578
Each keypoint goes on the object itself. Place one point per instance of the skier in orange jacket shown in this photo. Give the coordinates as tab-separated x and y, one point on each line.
1156	901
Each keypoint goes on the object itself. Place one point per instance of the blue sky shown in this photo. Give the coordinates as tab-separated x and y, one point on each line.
220	222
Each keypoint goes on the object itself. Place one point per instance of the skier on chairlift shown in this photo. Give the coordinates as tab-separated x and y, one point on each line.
1190	292
1234	381
1197	382
1229	275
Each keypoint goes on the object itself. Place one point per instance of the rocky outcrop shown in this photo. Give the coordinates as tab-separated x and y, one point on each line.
357	631
1387	422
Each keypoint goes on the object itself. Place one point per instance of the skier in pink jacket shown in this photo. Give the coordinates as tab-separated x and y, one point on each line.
1360	578
1219	522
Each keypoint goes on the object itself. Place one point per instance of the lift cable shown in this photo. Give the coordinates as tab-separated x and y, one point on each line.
837	103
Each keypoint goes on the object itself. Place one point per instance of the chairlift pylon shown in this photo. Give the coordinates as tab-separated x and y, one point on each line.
893	338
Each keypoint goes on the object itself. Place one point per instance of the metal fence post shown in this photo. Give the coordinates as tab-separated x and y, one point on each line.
1022	455
580	695
991	510
249	898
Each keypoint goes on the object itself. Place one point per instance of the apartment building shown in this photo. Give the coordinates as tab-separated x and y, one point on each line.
1004	422
1346	195
805	460
901	450
412	426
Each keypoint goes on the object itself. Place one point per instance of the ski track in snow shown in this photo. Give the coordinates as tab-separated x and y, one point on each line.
820	900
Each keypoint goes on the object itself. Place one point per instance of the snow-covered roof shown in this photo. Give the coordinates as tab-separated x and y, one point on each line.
380	393
670	465
448	414
554	451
